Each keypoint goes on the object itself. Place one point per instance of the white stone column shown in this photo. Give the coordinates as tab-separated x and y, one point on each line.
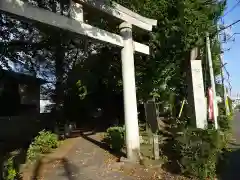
129	89
199	106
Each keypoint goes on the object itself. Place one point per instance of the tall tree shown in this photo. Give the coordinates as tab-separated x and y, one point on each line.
181	26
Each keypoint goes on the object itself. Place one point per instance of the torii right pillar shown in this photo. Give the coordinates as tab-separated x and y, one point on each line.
129	92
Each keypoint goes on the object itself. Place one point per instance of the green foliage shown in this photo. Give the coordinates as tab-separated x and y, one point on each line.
216	56
181	26
199	152
115	138
82	90
226	129
9	169
230	104
44	143
219	90
225	122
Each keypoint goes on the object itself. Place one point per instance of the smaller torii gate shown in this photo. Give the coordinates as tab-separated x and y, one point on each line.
25	11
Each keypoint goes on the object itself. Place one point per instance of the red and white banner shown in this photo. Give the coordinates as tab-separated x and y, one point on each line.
210	104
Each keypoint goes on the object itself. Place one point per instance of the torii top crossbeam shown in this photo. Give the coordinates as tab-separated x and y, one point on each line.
23	9
121	13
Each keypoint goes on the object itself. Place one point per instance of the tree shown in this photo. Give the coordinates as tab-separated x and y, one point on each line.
181	26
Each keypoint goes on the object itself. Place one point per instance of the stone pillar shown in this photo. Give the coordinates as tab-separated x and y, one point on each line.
156	147
197	105
129	89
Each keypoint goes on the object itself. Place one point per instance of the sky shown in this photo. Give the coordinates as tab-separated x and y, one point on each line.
232	56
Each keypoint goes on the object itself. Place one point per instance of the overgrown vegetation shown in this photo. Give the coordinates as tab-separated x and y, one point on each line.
9	170
115	138
44	143
198	151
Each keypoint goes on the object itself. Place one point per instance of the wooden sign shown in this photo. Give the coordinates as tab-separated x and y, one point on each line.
151	115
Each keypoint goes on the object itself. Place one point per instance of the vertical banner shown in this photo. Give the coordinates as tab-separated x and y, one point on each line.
210	105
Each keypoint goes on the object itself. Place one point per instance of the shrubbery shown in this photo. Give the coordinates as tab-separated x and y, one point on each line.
42	144
199	150
9	170
115	137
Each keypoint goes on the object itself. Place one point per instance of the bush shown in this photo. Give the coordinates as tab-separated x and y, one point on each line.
199	151
115	137
42	144
225	122
9	171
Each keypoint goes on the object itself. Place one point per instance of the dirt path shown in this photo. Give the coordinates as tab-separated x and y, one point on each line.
85	158
87	161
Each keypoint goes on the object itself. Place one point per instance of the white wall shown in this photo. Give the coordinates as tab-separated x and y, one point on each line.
44	106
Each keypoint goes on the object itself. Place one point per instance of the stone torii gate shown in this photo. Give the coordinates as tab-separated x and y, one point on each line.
75	24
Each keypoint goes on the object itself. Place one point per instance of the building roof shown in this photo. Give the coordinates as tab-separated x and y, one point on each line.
21	77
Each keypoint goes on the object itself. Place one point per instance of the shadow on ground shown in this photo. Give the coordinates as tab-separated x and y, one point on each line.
228	168
69	169
101	144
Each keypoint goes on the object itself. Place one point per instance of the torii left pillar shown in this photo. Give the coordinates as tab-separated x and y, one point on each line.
129	91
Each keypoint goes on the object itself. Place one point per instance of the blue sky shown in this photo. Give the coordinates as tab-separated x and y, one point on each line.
232	56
